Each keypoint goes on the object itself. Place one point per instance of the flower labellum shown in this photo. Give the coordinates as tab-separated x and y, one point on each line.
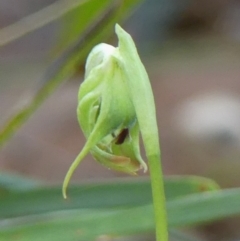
115	104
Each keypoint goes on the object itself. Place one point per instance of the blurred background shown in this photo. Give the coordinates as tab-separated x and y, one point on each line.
192	54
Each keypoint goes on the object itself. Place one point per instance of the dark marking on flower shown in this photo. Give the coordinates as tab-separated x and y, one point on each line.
122	136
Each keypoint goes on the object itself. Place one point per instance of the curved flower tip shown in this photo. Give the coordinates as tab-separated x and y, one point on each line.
113	107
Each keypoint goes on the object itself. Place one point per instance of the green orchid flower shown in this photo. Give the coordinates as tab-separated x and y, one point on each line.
115	105
106	113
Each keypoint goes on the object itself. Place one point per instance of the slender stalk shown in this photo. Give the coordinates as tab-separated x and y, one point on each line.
158	194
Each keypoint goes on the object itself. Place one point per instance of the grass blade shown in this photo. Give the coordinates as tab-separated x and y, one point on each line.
103	195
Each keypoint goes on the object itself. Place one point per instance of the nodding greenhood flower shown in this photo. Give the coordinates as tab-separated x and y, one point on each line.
115	103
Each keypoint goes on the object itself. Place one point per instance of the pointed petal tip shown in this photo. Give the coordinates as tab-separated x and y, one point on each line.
117	26
118	29
64	193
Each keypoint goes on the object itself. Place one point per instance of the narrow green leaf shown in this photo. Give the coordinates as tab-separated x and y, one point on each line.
103	195
88	224
197	209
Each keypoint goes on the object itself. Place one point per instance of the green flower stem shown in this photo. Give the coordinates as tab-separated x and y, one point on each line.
159	204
